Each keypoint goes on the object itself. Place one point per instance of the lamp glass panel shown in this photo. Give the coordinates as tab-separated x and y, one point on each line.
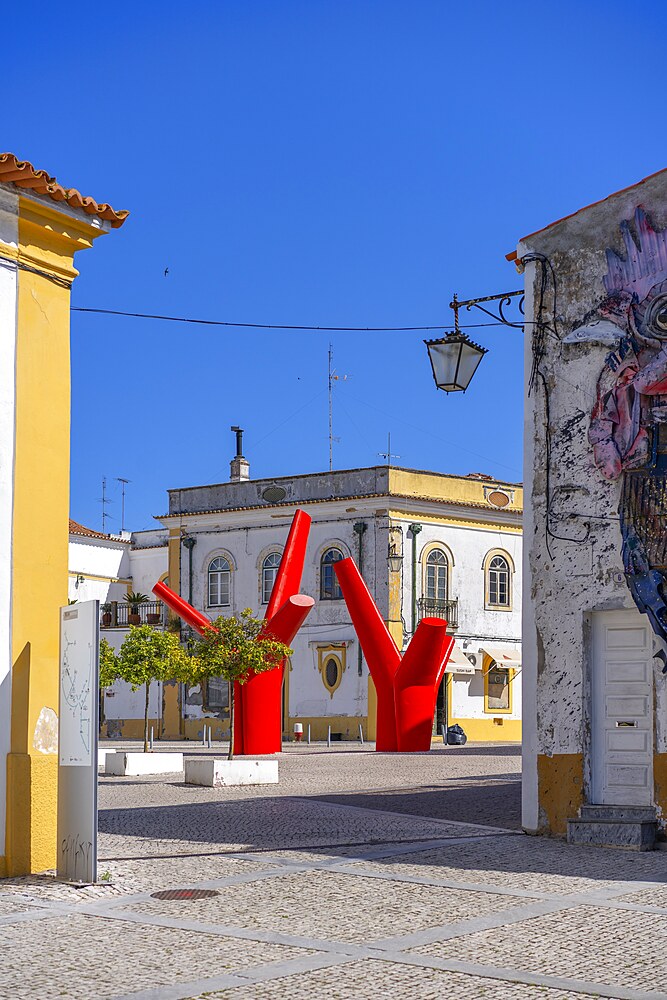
470	358
444	358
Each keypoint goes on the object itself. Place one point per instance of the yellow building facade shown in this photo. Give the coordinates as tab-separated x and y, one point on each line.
42	226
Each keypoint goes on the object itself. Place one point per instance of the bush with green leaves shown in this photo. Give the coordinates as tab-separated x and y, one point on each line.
148	654
108	664
235	648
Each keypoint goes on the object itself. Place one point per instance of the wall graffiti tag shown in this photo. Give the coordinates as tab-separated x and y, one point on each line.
628	429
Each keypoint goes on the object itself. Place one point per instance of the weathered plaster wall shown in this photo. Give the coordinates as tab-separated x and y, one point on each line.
578	568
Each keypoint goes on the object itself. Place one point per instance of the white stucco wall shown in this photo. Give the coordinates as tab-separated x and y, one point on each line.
8	319
100	562
466	547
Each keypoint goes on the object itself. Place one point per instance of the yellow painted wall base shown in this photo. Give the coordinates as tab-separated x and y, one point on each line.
489	730
128	729
32	816
3	866
660	782
348	725
194	728
560	782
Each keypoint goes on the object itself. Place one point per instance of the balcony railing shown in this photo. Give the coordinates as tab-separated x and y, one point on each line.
428	608
118	614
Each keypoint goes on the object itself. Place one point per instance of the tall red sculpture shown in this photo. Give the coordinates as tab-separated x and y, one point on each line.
259	723
407	687
258	719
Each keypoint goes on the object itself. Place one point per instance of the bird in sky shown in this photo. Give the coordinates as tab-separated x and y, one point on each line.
166	271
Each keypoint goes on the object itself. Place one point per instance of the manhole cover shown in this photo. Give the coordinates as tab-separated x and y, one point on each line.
185	894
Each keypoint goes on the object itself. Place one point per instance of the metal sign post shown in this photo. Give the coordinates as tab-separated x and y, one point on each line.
78	725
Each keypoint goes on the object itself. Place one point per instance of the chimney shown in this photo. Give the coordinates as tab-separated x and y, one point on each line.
239	469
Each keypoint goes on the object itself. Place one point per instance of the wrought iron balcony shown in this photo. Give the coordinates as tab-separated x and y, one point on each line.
118	614
429	608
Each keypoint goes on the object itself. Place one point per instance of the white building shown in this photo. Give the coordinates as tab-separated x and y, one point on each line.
454	542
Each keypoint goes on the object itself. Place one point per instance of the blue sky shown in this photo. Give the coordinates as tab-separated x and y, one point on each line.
325	163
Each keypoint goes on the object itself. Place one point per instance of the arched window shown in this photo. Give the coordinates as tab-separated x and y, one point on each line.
219	583
329	588
269	573
498	591
436	576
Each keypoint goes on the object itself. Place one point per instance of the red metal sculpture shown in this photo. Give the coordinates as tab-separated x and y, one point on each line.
407	687
258	723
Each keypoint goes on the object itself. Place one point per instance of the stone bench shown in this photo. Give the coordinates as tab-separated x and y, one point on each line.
136	762
216	773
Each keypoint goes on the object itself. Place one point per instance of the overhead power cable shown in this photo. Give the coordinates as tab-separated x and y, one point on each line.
262	326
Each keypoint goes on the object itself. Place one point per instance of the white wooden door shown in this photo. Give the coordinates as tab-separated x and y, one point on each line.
622	709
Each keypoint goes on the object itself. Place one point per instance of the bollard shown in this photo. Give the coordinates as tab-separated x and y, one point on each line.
208	744
329	736
203	736
151	739
309	734
443	733
361	734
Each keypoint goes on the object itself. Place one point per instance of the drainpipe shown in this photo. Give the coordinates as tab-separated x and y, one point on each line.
189	543
414	530
359	529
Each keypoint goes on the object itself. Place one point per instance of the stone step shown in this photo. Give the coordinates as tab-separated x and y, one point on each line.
618	814
633	836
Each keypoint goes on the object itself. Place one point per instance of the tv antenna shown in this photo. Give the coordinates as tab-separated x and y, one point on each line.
104	501
333	377
388	455
124	483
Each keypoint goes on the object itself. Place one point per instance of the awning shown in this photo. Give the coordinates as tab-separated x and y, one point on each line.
503	654
458	662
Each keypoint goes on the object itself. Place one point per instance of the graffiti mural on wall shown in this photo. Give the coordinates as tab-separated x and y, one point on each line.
628	428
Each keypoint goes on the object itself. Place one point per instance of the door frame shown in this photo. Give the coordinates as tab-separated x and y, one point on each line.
588	714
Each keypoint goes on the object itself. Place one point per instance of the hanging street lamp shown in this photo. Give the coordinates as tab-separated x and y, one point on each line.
454	360
454	357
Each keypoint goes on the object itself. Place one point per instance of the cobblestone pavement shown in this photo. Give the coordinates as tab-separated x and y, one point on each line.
322	890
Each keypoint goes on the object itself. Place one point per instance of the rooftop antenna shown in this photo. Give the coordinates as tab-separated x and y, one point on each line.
104	501
333	377
388	455
124	482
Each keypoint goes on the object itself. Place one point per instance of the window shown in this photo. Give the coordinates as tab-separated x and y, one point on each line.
217	693
436	576
331	664
219	583
498	570
329	587
269	573
497	689
498	583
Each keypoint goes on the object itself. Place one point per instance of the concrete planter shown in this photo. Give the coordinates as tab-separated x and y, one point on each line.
102	753
219	773
120	763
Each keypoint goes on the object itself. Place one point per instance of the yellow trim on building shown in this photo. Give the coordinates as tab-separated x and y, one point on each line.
48	240
492	729
458	522
459	489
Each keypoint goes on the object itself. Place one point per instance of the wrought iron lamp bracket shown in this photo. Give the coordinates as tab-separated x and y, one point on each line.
503	300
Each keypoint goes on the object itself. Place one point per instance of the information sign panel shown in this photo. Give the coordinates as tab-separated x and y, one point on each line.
77	741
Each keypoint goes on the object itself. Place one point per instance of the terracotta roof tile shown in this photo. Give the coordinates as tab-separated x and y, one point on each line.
24	175
78	529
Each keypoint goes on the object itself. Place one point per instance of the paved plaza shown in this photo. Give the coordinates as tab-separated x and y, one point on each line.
360	875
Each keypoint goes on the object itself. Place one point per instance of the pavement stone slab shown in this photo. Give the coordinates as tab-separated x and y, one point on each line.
532	864
370	978
586	943
327	905
86	958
